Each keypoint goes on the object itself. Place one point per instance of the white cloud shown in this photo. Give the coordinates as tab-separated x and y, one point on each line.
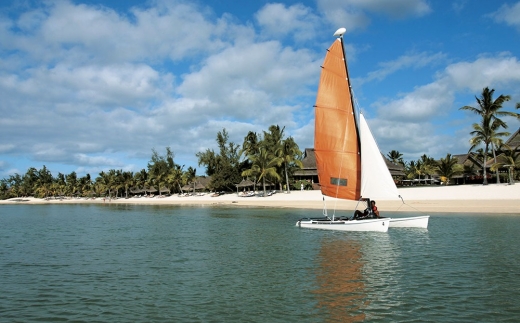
251	79
342	14
408	121
95	88
395	8
414	61
353	14
433	100
487	70
278	20
458	5
421	105
507	14
83	159
63	31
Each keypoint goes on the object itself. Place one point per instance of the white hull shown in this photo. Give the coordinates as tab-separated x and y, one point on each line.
379	225
411	222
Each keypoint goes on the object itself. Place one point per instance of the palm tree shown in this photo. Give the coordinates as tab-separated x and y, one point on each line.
72	183
489	108
174	178
60	184
104	182
288	153
426	165
264	165
395	157
189	176
114	182
486	134
510	158
250	145
410	169
273	142
141	179
44	182
128	181
490	111
85	185
449	167
496	144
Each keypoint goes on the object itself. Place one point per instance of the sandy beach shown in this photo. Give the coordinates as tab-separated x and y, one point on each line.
489	199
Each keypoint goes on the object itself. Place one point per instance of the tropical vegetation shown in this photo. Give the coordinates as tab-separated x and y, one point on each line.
271	159
488	130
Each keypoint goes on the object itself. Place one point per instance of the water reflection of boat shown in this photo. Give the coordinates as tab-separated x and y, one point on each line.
341	287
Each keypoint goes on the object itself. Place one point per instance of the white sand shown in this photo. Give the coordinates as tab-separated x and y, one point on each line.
491	199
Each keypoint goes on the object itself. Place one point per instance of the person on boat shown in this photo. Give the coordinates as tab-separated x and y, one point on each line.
368	211
358	215
375	211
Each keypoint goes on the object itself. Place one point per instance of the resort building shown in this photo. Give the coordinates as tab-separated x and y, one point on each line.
309	170
473	167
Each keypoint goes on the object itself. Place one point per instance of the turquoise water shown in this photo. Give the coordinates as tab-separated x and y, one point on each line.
117	263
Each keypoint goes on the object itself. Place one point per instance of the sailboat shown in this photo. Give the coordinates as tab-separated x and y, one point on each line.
349	162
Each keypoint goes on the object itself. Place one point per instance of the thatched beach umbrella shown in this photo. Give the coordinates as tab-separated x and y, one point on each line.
199	186
164	190
244	183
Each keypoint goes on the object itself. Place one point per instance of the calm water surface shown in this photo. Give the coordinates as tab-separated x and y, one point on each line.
117	263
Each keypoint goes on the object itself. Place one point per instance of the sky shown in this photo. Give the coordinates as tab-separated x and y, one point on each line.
88	86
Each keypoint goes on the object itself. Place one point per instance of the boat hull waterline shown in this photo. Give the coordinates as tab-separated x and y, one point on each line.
410	222
378	225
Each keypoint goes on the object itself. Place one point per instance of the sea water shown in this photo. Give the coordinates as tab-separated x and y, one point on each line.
131	263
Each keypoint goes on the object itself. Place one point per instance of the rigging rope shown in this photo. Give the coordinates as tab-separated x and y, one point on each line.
404	203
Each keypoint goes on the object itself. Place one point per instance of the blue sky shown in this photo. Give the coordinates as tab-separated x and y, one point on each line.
88	86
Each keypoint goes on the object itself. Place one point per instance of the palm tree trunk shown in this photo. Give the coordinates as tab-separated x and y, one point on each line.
495	160
287	180
485	182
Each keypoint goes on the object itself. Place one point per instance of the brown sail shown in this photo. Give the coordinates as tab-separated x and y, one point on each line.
336	137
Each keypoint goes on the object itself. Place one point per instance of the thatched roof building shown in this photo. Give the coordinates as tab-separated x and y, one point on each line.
514	140
310	172
309	165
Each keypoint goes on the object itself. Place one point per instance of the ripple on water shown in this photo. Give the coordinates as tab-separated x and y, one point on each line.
163	264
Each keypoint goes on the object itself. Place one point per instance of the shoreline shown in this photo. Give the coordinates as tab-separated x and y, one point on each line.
489	199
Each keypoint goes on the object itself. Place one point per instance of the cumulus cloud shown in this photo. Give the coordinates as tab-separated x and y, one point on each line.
92	87
95	88
409	119
434	98
497	70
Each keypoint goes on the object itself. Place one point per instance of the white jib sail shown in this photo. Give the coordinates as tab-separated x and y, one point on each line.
376	181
